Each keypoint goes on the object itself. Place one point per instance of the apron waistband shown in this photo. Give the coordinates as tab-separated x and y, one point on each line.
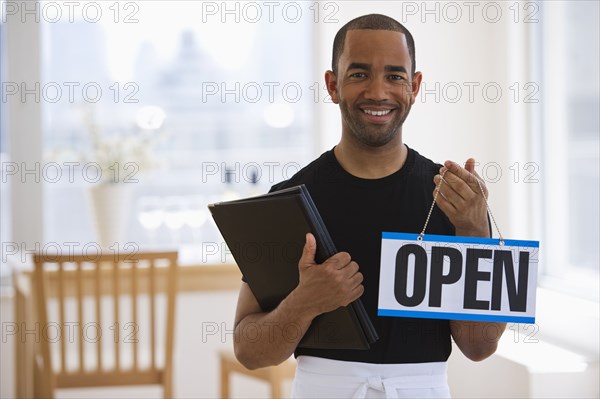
386	378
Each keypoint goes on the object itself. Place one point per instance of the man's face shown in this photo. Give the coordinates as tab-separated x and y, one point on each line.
373	86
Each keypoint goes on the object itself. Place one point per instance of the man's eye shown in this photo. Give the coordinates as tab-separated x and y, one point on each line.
358	75
398	77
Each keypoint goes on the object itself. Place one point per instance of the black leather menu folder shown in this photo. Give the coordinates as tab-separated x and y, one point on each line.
266	235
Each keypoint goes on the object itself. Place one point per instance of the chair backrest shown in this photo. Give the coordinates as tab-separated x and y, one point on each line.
93	306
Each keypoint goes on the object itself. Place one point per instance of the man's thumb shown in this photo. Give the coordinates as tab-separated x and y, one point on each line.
308	253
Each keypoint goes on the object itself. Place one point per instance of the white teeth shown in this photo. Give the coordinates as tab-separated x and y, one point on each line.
376	113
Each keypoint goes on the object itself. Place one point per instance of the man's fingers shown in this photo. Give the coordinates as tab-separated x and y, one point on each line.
463	174
444	203
450	187
352	268
357	293
470	165
455	174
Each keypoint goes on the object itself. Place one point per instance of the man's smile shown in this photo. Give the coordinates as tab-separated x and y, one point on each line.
377	113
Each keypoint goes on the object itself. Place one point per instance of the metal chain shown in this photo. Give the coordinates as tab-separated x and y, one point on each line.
435	195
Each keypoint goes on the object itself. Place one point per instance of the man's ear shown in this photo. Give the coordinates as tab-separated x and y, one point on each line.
415	86
331	83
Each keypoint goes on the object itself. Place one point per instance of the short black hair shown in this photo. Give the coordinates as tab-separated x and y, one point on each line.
374	22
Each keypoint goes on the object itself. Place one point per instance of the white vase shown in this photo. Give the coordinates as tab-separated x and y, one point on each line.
111	208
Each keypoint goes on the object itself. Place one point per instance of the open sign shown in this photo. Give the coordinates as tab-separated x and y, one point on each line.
459	278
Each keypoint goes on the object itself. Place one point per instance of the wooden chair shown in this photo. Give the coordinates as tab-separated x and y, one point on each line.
274	375
99	320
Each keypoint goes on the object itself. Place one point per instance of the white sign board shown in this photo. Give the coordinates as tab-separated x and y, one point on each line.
458	278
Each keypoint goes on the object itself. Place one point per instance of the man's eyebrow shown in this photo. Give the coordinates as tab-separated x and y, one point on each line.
387	68
359	65
394	68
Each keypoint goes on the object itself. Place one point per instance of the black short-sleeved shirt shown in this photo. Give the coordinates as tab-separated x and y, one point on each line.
355	212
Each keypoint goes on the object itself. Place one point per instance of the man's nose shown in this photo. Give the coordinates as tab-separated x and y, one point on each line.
377	90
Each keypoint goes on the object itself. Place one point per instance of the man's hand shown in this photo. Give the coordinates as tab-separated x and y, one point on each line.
327	286
461	199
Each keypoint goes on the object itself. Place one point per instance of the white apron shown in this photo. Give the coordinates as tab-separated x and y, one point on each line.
325	378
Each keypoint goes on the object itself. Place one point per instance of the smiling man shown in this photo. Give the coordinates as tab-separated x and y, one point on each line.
368	183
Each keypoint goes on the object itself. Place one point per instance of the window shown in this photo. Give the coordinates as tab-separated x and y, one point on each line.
191	101
570	64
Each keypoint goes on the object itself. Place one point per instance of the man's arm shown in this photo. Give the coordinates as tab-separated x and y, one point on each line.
268	338
461	199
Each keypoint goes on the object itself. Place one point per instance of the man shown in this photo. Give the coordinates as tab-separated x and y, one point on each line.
369	183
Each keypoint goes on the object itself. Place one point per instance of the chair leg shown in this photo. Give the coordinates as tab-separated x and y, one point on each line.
276	389
168	389
275	380
42	377
224	379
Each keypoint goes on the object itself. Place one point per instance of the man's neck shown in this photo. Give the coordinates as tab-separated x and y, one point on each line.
371	163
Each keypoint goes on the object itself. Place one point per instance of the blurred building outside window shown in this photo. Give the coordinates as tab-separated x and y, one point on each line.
186	103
